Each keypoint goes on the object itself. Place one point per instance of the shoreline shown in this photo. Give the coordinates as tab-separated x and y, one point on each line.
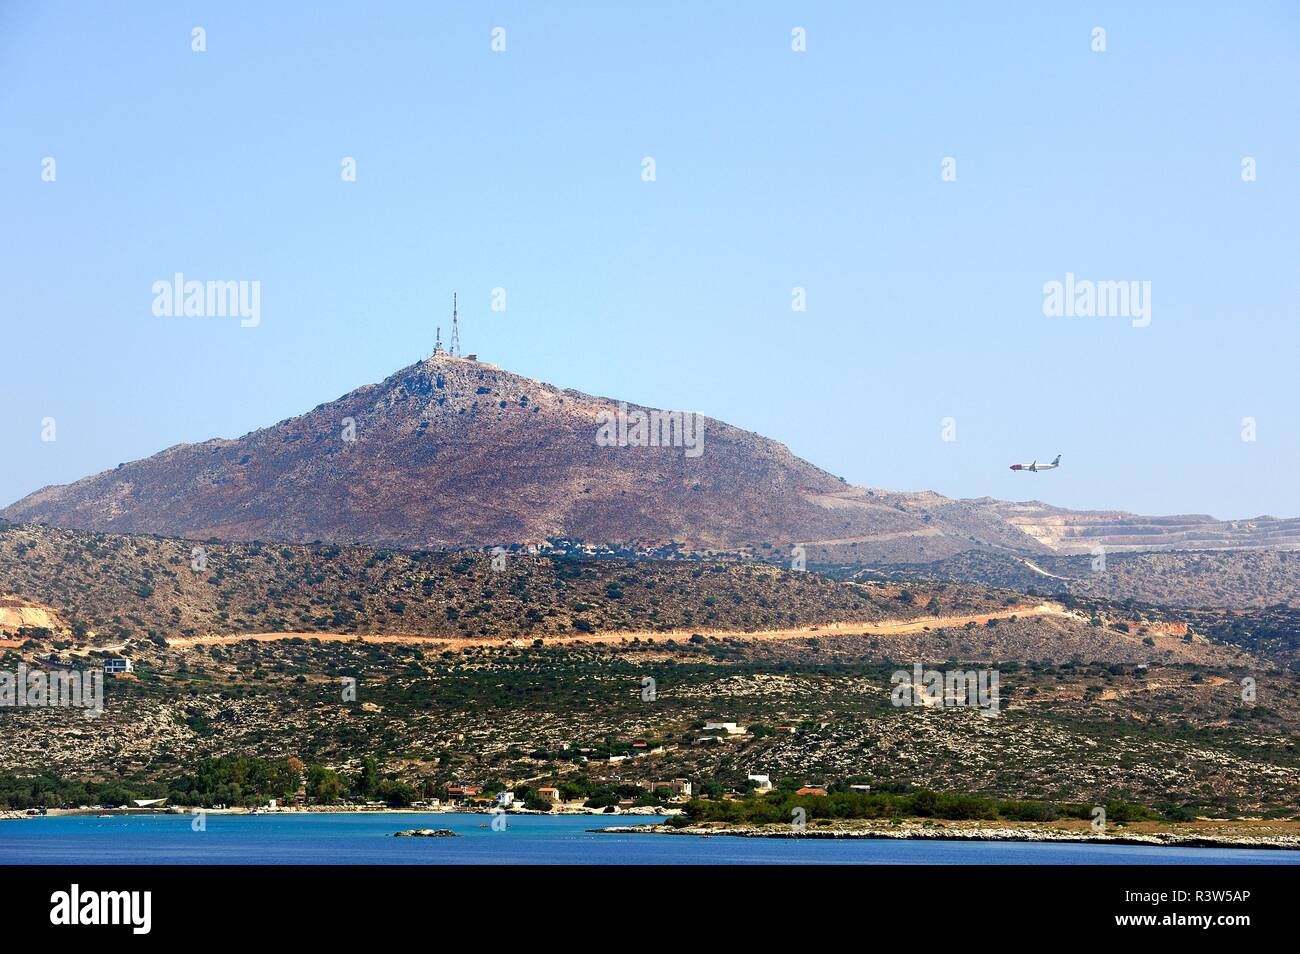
21	814
1001	833
1235	835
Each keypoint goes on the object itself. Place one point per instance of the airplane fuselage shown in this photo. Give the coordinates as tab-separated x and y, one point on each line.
1035	467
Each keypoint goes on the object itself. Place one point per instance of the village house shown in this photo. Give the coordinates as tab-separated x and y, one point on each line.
457	794
727	728
679	787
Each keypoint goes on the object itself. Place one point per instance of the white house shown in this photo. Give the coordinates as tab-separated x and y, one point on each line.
730	728
762	782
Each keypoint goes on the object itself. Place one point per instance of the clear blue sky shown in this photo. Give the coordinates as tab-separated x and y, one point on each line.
775	169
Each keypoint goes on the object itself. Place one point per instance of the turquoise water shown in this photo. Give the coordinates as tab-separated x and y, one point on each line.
367	839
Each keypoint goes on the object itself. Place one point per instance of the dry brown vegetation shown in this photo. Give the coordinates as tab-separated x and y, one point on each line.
138	586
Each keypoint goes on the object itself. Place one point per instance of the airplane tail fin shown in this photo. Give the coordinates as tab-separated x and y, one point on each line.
1057	462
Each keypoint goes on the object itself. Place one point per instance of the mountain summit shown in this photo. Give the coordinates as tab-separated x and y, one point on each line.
454	452
457	452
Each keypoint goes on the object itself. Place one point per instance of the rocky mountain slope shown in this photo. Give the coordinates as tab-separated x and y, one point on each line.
452	452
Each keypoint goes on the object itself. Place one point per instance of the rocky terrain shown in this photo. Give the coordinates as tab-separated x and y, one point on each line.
1283	836
1161	723
1219	579
73	586
451	453
534	672
1082	531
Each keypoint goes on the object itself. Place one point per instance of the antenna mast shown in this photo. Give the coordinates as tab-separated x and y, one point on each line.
455	329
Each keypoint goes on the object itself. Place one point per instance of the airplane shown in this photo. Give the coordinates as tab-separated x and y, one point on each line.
1035	467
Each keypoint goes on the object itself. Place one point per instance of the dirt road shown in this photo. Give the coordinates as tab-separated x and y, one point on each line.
866	628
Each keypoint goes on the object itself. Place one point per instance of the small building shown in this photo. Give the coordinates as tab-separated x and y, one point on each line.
811	791
761	782
678	786
549	793
114	664
505	799
728	728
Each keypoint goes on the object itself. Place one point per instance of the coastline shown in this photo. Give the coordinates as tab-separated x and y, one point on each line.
22	814
1196	835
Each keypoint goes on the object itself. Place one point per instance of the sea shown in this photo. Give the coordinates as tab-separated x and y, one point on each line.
354	838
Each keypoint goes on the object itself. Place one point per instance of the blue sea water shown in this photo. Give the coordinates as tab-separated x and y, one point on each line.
320	839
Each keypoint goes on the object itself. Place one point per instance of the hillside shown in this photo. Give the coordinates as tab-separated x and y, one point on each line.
532	674
1082	531
1090	715
1233	579
121	587
452	453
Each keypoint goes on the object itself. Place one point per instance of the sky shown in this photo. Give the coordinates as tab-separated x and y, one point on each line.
774	169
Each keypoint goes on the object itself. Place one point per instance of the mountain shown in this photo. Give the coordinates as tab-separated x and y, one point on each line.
454	452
